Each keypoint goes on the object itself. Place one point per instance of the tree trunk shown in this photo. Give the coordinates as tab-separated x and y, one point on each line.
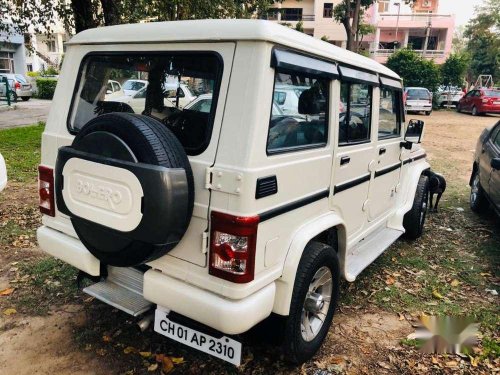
83	15
351	36
111	12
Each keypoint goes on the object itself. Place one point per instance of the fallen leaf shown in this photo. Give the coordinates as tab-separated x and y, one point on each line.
106	338
436	294
6	292
455	282
401	317
384	365
9	311
474	361
167	365
435	360
390	280
153	367
451	364
177	360
129	349
145	354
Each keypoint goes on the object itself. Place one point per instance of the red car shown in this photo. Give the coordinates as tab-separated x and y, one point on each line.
480	101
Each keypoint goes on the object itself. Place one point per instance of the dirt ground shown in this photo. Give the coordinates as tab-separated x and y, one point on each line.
82	336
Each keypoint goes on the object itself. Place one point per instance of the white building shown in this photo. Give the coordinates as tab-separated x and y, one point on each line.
12	53
47	51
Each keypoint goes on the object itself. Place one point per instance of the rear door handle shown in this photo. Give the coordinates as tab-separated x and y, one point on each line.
345	160
382	151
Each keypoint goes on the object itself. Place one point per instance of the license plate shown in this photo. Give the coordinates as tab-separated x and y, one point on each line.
224	348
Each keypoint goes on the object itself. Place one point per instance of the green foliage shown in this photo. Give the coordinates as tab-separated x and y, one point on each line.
299	26
46	87
484	40
414	69
50	71
33	74
453	70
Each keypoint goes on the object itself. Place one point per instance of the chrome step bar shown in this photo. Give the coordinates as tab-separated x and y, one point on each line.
122	289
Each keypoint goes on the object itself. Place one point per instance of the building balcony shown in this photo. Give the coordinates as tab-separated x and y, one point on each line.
415	20
286	18
426	54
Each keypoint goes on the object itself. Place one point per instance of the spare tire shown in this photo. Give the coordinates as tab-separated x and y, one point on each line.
145	150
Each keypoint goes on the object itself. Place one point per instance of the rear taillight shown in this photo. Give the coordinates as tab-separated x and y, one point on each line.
232	247
17	85
46	190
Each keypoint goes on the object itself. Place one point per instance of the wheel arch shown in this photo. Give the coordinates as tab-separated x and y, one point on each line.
317	229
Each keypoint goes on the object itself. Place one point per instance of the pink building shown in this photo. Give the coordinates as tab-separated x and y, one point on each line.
421	28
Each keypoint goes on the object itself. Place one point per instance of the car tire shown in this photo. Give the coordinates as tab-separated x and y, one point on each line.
478	201
414	220
459	108
428	113
145	141
25	98
317	278
474	111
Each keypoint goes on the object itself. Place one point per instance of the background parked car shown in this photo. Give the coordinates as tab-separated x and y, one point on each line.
449	97
132	86
3	173
480	101
485	179
418	99
19	85
137	101
113	90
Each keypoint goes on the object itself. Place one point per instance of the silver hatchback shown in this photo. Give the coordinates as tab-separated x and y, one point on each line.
19	85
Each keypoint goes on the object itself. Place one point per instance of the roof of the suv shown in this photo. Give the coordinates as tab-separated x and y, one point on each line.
225	30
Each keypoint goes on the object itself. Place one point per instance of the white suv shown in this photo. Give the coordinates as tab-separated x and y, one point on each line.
224	217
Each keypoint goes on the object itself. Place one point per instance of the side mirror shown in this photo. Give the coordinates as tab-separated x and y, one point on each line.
415	131
108	92
495	164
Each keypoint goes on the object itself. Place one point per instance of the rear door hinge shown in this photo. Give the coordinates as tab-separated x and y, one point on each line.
224	180
204	243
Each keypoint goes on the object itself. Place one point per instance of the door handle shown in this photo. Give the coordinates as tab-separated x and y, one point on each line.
345	160
382	151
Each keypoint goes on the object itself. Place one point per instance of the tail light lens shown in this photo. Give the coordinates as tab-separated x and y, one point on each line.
232	247
486	100
17	85
46	190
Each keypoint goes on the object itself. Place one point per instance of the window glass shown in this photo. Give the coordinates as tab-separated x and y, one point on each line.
491	93
389	124
202	105
20	78
328	10
150	83
355	113
301	120
279	97
417	94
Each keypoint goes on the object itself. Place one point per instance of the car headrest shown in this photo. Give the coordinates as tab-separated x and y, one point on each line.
311	102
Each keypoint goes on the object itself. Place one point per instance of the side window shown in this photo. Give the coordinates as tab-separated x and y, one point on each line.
495	136
304	121
389	113
355	113
116	87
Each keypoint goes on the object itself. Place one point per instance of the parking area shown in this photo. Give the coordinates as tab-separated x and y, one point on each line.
24	113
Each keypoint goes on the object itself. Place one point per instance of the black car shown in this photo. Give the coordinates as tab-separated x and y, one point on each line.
485	179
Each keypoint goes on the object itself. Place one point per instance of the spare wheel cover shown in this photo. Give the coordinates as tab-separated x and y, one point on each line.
127	185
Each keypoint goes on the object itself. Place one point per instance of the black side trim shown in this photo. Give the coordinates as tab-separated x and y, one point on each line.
410	160
386	170
266	186
293	205
295	62
351	184
348	74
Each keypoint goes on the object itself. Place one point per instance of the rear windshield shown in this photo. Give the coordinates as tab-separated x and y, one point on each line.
20	78
149	79
491	93
414	94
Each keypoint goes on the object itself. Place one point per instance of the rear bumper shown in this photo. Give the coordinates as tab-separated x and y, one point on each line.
419	108
24	92
489	109
228	316
68	249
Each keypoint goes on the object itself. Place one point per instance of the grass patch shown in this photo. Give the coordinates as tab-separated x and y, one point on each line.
9	232
44	283
21	149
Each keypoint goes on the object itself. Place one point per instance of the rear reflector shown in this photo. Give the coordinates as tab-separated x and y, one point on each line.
232	247
46	190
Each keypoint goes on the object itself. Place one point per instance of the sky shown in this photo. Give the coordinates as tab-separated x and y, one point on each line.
463	9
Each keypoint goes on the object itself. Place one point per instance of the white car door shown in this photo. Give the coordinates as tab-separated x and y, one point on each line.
3	173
